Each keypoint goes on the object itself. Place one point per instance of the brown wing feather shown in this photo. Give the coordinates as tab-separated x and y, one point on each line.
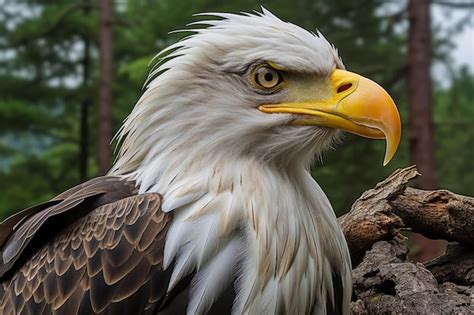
110	261
96	248
21	234
8	225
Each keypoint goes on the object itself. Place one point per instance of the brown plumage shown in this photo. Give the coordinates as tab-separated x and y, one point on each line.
108	259
94	249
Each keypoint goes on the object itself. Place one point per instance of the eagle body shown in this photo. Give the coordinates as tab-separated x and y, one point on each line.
115	257
210	206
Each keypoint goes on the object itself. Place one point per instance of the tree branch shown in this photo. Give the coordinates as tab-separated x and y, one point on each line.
456	265
380	213
438	214
384	281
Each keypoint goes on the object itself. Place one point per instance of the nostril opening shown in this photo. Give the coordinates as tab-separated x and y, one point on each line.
344	87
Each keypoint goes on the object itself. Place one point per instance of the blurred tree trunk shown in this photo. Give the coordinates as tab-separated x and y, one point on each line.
420	100
419	93
105	89
85	105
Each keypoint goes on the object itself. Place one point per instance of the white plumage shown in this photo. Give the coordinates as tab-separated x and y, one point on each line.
236	179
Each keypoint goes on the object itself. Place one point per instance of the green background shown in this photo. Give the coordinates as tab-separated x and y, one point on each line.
41	87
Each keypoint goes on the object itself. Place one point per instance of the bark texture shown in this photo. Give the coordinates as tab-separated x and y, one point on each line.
419	92
105	89
385	281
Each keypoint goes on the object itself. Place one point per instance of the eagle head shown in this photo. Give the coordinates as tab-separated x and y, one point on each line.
252	85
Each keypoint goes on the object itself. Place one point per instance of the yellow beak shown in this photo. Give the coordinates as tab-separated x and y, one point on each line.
357	105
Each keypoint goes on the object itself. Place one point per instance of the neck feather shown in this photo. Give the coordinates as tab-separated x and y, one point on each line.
271	228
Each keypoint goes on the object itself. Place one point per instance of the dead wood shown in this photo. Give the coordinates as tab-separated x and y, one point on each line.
380	213
385	282
456	265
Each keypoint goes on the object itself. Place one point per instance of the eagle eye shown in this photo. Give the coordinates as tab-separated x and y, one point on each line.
266	77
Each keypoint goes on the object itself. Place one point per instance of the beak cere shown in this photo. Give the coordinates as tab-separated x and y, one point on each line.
357	105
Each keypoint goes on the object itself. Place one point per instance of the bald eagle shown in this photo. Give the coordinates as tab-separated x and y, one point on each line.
210	206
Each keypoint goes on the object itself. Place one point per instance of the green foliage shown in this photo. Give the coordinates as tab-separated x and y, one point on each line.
454	135
40	91
42	87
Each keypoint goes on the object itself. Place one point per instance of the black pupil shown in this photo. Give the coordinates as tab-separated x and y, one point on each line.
268	77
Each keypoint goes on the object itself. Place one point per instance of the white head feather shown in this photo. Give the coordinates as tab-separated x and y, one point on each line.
236	178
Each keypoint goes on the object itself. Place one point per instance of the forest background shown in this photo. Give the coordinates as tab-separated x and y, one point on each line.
71	71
